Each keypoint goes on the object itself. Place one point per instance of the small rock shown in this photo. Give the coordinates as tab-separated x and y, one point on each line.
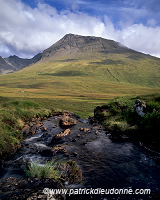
84	143
26	129
33	129
43	128
75	154
86	130
67	121
96	132
59	149
139	107
60	135
78	135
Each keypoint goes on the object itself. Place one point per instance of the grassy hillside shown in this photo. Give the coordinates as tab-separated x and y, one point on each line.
80	85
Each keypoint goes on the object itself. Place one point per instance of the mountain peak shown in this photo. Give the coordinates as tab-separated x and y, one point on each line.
71	36
13	57
72	46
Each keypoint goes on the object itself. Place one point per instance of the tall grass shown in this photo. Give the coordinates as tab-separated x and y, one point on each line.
62	171
120	117
13	116
47	170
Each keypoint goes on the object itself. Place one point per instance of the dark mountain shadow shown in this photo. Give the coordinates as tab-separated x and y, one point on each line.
68	60
109	62
66	73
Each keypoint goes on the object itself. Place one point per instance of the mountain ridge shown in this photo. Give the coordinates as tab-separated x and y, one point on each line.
15	63
87	75
73	46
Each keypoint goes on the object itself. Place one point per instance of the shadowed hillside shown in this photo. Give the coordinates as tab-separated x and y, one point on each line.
14	63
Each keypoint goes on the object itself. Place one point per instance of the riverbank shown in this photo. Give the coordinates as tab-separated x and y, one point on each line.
17	119
17	115
103	163
136	119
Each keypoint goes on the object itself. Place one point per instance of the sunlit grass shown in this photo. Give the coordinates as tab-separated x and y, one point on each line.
82	84
77	86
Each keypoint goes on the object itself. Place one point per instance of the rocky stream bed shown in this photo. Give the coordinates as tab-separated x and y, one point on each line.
104	164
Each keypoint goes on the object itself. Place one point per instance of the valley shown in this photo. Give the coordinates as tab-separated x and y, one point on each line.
98	80
80	71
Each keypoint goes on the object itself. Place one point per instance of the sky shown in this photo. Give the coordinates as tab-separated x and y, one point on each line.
28	27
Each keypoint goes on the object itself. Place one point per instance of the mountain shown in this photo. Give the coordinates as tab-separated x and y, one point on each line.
86	46
77	73
14	63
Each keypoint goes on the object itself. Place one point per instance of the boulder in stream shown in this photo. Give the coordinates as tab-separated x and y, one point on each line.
67	121
60	135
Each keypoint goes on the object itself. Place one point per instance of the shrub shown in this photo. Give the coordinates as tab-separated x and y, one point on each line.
150	121
152	106
71	172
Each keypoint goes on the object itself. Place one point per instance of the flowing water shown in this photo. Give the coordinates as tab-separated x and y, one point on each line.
105	164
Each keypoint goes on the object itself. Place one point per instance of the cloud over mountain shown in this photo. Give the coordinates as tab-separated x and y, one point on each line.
26	30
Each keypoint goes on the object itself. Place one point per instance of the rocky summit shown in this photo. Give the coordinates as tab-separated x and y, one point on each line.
72	45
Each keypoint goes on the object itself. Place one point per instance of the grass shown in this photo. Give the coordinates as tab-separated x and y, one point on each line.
120	117
47	170
13	115
60	171
77	85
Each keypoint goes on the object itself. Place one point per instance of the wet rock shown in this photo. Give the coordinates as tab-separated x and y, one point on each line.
27	189
46	152
39	124
86	130
139	107
75	153
33	129
67	121
117	137
96	132
31	124
59	136
52	151
66	154
26	129
43	128
84	143
57	113
72	115
59	149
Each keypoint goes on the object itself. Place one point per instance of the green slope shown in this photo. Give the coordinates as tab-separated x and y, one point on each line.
78	73
74	84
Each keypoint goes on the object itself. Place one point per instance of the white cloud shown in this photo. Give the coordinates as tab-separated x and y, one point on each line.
142	38
26	31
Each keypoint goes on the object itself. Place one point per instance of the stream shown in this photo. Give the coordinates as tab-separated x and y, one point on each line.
105	164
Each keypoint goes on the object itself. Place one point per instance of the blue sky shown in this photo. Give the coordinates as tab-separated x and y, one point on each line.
30	26
135	11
